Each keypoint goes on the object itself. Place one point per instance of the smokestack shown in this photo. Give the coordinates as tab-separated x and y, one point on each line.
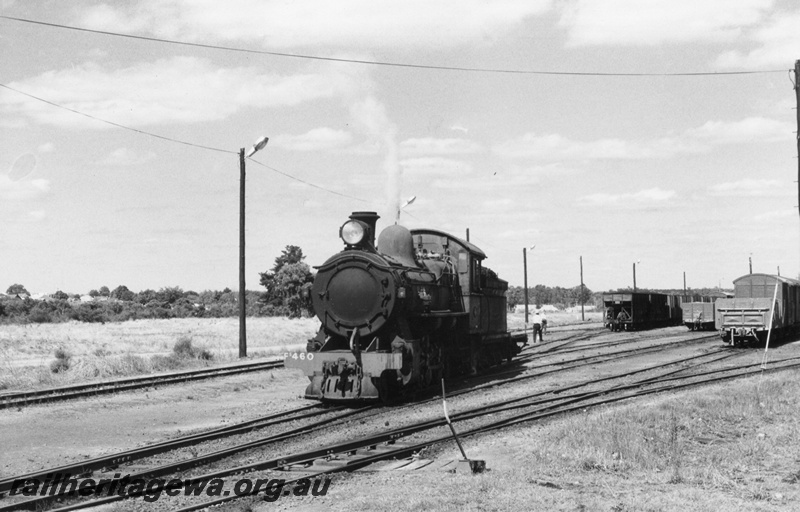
370	219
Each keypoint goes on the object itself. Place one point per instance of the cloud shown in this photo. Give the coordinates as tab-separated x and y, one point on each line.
435	166
751	188
655	22
776	215
500	205
23	190
557	147
692	141
125	157
37	214
314	140
777	42
636	199
346	24
175	90
751	129
47	147
432	146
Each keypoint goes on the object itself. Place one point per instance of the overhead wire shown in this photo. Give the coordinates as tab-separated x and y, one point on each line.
385	63
177	141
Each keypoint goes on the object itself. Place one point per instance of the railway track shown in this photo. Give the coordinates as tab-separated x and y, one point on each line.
22	398
390	444
179	467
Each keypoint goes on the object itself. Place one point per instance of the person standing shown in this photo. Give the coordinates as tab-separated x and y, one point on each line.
537	326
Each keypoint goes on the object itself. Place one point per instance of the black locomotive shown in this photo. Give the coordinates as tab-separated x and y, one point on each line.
400	316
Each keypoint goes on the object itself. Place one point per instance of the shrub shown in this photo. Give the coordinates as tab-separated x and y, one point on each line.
61	362
183	348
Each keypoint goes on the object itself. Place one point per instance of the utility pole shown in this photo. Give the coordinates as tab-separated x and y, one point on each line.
525	264
797	110
750	259
684	283
242	297
583	317
634	278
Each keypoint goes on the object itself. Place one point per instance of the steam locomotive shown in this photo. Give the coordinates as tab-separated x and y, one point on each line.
399	316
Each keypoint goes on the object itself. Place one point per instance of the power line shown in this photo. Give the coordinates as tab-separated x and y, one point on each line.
141	132
169	139
311	184
384	63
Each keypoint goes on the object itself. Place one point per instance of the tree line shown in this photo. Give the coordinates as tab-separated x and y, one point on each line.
286	294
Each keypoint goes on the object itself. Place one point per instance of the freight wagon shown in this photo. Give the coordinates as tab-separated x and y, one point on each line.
640	310
760	302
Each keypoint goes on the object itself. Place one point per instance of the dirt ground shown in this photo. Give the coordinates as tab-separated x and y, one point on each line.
48	435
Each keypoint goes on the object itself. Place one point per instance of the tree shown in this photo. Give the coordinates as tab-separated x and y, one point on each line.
292	254
122	293
145	296
170	294
104	291
288	282
94	293
15	289
59	295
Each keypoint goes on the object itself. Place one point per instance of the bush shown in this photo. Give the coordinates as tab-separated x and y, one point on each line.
183	348
61	362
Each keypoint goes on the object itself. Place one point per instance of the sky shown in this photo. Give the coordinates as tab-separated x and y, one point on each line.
659	133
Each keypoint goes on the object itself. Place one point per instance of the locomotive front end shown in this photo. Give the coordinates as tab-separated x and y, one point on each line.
356	295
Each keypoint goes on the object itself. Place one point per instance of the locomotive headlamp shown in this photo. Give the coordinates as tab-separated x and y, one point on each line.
353	232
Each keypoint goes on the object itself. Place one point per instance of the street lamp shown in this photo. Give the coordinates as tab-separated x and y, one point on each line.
259	145
408	202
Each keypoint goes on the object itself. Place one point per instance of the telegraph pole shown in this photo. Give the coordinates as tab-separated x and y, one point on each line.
525	264
583	317
242	296
797	110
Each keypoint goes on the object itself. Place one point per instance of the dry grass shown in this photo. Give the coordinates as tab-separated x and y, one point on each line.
29	353
726	447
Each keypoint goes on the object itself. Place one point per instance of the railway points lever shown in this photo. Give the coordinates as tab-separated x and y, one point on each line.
474	466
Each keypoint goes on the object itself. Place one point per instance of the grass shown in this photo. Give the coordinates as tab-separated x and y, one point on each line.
45	355
732	446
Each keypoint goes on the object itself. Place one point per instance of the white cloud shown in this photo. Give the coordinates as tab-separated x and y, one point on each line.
557	147
778	41
751	188
346	24
176	90
23	190
314	140
751	129
693	141
432	146
643	197
777	215
498	204
654	22
125	157
47	147
38	214
435	166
